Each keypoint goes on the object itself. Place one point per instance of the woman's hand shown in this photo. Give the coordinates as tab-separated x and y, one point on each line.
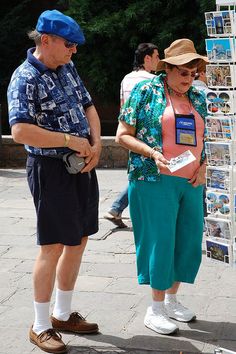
199	176
159	159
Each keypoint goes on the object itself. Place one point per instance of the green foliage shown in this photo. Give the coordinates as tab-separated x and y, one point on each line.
17	18
113	29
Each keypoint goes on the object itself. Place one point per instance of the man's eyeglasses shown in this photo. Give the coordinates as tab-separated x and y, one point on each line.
186	73
69	44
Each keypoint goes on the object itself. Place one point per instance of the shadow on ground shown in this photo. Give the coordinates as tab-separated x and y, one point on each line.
205	332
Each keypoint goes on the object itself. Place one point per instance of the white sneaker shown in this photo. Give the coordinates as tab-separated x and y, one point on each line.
178	312
159	322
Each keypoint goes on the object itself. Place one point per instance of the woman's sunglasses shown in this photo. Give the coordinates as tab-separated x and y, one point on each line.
186	73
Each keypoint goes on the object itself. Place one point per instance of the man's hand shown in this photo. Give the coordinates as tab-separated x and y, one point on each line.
93	159
80	145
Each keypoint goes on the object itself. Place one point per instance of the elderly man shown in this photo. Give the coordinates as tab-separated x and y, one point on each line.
52	113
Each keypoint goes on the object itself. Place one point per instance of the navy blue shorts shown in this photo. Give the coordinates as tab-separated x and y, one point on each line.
66	205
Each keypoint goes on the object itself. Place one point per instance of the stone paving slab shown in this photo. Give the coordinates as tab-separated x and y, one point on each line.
107	290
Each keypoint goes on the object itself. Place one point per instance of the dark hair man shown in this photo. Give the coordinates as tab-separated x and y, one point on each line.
146	58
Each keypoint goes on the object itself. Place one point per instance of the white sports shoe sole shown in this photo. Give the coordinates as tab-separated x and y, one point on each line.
193	318
158	330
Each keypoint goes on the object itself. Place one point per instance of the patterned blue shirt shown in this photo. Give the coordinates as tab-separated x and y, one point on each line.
55	100
144	110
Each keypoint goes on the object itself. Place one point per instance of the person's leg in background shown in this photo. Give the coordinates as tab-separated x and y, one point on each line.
120	203
115	213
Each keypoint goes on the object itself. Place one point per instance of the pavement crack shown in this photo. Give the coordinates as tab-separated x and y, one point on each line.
8	297
5	251
134	315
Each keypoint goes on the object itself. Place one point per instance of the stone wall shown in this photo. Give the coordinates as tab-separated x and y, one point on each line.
14	155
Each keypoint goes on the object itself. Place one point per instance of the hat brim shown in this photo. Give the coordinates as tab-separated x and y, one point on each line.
180	60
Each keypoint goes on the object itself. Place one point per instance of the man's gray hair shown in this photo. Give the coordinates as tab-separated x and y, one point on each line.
35	36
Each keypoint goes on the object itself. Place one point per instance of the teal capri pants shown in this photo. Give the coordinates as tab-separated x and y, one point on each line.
167	218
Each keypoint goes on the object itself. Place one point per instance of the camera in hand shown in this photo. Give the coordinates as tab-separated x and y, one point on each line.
73	162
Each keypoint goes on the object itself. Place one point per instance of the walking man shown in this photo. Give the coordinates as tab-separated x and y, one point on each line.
146	58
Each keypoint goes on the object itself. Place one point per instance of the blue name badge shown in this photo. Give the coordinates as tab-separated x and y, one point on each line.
185	129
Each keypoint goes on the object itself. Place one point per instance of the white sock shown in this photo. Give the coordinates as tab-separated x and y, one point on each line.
42	321
170	298
157	306
62	307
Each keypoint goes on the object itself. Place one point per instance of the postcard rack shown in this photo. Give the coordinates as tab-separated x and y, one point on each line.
230	4
220	223
223	351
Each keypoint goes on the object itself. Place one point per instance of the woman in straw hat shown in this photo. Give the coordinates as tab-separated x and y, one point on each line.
163	118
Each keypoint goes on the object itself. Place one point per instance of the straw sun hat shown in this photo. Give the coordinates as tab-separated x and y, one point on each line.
180	52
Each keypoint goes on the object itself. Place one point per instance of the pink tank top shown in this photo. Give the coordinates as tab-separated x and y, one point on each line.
170	148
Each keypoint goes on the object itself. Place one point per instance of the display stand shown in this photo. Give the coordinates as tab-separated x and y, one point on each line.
220	235
223	351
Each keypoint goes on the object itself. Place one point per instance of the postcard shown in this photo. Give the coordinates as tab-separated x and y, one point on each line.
220	127
220	23
218	178
234	255
220	102
225	2
218	204
180	161
219	153
220	49
218	228
235	209
219	251
220	75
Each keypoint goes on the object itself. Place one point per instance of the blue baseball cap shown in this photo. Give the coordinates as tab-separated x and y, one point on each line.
55	22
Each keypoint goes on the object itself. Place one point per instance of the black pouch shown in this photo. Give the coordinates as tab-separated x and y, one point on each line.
73	162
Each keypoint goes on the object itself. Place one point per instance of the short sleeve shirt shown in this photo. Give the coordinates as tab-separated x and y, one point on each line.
130	80
55	100
144	110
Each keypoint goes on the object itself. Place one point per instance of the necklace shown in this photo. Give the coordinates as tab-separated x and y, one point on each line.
176	93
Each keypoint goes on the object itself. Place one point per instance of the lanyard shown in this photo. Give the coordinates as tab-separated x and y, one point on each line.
167	89
185	127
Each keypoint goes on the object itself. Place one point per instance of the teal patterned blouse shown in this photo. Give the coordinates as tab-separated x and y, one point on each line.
143	110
